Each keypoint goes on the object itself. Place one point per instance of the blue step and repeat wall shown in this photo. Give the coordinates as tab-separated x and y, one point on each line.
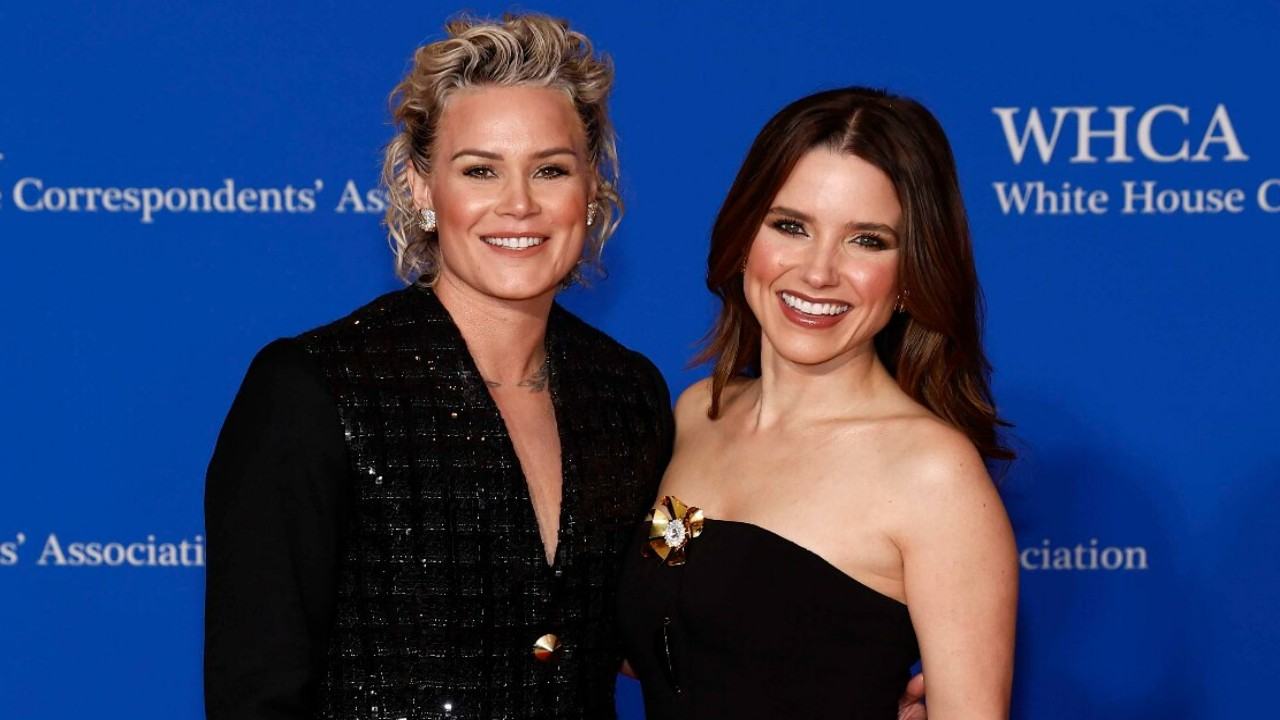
1121	165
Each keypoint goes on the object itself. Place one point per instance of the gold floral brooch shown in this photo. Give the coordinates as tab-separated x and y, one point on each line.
672	526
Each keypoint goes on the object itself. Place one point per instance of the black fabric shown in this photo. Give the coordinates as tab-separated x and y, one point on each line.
372	549
753	626
277	497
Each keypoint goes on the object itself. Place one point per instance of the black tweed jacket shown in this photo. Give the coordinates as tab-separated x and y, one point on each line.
372	548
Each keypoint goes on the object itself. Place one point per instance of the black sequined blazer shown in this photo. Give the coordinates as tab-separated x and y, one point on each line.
372	548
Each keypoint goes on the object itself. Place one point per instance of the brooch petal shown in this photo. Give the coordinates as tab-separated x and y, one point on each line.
672	524
547	648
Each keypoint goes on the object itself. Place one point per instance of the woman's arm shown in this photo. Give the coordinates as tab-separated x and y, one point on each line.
275	504
961	579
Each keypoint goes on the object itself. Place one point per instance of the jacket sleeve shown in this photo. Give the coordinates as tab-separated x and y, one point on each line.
665	421
276	498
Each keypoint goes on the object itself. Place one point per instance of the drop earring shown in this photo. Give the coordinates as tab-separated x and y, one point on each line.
591	214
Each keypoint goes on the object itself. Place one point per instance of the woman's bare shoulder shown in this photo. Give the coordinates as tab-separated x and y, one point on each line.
694	404
942	484
930	452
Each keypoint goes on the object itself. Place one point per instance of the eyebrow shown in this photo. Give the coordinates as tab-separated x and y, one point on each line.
804	217
487	155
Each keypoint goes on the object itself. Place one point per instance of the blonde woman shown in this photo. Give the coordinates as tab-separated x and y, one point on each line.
416	511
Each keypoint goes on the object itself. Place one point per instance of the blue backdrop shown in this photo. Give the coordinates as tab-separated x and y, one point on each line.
1121	166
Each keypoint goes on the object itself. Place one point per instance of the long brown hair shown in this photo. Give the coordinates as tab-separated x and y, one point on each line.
934	348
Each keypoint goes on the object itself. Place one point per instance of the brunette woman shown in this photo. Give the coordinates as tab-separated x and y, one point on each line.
827	517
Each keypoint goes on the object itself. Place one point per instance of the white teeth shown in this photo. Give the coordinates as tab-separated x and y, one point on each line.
514	243
812	308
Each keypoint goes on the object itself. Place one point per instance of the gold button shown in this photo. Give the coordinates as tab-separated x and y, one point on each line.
547	648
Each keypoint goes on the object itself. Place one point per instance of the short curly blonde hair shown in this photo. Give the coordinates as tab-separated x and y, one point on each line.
521	49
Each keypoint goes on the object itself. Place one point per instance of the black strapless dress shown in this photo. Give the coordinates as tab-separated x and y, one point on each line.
752	625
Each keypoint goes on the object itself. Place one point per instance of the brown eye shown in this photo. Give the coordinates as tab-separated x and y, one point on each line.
479	171
551	171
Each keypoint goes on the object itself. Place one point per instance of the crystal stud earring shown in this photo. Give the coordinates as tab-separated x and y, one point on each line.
428	221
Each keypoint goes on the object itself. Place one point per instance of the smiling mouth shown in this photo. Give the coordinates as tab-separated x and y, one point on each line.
522	242
817	309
